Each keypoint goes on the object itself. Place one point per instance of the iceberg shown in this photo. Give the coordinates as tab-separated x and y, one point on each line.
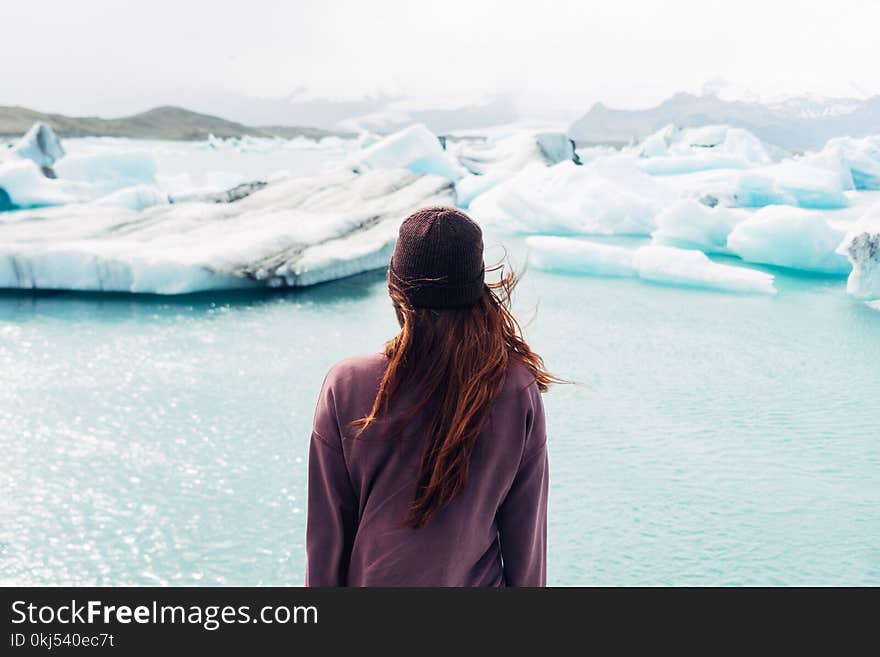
293	232
415	148
864	254
790	237
493	160
27	180
472	185
862	246
732	167
666	264
103	172
672	150
610	196
791	182
512	153
693	225
796	182
23	184
579	256
40	145
659	264
855	161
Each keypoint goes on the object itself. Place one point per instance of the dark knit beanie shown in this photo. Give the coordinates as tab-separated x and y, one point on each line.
438	260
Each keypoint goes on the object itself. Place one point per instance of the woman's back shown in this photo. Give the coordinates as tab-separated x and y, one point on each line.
428	463
493	533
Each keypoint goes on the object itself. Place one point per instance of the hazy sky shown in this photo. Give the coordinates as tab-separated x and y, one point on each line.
111	57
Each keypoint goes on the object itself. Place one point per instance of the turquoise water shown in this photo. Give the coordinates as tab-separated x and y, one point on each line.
712	439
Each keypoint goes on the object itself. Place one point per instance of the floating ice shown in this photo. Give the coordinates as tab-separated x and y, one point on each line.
790	237
789	183
693	225
578	256
230	195
864	254
294	232
138	197
472	185
666	264
415	148
41	145
23	184
659	264
512	152
493	160
862	247
609	196
674	151
77	178
856	161
741	171
109	170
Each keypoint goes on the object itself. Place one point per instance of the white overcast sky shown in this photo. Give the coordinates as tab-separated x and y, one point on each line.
112	56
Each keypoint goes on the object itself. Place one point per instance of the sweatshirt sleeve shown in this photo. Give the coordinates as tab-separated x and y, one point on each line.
522	518
332	503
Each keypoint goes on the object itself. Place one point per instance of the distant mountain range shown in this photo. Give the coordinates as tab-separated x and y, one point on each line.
380	112
798	123
158	123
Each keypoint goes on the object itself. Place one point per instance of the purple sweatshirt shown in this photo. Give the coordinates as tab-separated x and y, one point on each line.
494	533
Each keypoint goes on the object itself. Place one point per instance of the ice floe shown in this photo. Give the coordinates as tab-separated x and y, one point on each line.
693	225
659	264
610	196
23	184
295	232
862	246
73	178
856	161
415	148
492	160
41	145
709	190
672	150
790	237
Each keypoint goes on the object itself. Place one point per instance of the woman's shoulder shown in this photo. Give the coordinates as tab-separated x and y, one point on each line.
520	380
357	368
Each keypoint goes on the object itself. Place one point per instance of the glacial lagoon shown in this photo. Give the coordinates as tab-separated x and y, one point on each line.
712	437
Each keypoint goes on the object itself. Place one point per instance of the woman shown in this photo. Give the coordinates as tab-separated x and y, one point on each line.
428	462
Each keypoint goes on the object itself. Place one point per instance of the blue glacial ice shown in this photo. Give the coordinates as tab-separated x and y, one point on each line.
716	190
298	231
23	184
496	158
862	246
693	225
856	161
658	264
673	150
415	148
791	237
40	145
37	172
610	196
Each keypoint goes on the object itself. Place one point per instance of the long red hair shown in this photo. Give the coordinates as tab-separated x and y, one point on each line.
456	358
